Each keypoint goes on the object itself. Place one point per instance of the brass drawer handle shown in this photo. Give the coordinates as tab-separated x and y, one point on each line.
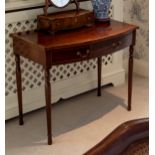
115	45
83	55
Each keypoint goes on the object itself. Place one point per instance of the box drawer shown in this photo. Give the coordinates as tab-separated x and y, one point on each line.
111	45
69	55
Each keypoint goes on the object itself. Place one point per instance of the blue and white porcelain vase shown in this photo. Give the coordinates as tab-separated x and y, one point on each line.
101	9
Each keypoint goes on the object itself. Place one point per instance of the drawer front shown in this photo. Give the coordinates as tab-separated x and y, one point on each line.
112	45
69	55
101	48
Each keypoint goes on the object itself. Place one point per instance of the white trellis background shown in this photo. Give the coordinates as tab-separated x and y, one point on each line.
67	80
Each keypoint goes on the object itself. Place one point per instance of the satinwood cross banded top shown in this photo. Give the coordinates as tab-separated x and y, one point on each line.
81	36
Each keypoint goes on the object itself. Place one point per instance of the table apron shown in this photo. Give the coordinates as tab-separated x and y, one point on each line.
29	50
42	56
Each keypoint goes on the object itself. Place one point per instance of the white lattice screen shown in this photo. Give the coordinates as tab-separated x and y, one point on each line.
32	73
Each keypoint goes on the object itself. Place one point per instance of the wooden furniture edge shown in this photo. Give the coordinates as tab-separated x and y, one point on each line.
120	138
16	35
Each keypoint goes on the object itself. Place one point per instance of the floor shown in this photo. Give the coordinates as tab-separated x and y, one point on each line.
78	123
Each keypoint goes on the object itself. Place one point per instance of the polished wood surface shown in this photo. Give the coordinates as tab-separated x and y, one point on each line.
72	46
71	38
118	141
100	38
65	20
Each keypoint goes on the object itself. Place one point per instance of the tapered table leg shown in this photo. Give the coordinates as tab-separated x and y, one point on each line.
48	104
130	73
19	89
99	65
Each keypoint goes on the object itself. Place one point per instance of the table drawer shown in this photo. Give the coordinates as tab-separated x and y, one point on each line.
69	55
112	45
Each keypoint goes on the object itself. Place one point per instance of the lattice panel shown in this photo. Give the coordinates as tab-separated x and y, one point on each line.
32	73
28	78
111	11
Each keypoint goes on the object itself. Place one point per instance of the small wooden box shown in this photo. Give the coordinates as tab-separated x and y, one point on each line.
65	20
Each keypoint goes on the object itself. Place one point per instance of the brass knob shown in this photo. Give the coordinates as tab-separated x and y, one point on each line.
83	55
78	53
115	45
87	51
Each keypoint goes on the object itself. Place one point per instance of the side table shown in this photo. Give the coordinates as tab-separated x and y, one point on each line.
72	46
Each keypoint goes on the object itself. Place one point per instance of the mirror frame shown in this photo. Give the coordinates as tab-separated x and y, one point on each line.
50	1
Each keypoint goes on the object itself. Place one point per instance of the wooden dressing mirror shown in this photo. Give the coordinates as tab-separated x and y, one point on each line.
60	3
64	20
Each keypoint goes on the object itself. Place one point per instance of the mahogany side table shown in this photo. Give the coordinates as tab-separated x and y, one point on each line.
72	46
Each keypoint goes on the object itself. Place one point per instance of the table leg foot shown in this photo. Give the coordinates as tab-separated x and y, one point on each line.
129	108
98	94
21	122
50	140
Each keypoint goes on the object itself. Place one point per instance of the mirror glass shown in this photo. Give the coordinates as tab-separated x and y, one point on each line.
60	3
